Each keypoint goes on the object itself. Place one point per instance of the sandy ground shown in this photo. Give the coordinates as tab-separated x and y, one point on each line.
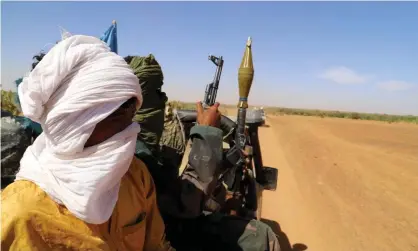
343	184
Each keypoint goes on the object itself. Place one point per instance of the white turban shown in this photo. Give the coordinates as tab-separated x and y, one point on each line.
76	85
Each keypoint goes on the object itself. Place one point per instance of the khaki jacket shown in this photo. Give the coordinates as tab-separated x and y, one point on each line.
31	220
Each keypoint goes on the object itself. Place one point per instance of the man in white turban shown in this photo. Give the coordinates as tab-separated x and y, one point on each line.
79	186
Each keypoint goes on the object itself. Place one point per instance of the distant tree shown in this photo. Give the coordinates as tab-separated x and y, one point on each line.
355	115
8	102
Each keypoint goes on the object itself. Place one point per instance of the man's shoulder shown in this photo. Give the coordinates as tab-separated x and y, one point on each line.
21	200
22	192
27	209
138	173
138	167
136	188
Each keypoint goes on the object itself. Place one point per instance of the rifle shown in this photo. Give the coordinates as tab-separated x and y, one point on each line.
212	88
244	173
248	175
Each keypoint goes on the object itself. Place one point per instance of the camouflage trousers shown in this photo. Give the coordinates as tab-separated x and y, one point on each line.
220	232
172	142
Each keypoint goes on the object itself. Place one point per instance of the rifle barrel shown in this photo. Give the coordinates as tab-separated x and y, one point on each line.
212	88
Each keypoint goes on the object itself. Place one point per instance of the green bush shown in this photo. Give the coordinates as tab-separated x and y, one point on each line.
8	102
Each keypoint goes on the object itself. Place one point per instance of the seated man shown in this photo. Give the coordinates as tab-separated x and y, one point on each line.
183	203
151	118
79	186
150	76
182	200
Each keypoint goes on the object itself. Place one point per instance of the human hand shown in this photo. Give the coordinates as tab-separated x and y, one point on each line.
208	117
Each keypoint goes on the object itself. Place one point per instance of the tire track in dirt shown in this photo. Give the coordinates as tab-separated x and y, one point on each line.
343	185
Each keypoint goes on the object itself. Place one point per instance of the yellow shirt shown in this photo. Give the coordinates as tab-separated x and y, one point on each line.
31	220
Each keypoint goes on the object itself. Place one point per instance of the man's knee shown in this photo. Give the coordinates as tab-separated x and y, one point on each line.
258	236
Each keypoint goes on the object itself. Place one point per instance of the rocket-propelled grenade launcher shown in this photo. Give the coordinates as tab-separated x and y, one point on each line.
242	182
244	174
243	139
245	80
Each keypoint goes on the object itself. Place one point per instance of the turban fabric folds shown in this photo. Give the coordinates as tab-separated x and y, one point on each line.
78	84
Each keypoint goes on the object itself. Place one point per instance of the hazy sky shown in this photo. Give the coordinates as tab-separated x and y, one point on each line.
324	55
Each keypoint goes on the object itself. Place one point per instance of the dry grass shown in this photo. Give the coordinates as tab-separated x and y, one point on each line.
8	104
317	113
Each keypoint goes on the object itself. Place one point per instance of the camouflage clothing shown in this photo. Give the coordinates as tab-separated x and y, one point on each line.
172	141
184	202
250	238
164	165
181	205
161	145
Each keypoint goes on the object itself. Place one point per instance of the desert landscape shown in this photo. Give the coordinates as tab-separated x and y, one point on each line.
343	184
347	181
346	184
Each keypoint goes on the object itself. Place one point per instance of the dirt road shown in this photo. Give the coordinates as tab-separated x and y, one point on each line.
343	184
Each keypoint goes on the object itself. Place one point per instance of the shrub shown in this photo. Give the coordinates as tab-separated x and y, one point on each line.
8	102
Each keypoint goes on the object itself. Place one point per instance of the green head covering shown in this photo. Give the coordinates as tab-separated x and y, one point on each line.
151	114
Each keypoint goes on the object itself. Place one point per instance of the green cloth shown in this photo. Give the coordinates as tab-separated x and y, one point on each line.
150	75
151	114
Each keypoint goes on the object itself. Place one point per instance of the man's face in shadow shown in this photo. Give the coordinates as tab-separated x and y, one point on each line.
116	122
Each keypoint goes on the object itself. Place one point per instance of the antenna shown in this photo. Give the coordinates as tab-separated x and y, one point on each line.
64	33
47	44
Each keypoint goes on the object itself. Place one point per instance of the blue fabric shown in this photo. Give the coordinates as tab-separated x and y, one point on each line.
29	125
110	38
18	82
36	128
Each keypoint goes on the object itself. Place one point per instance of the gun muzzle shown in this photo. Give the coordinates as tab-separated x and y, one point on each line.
245	76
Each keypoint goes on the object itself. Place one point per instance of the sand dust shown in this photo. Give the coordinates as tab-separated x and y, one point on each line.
343	184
